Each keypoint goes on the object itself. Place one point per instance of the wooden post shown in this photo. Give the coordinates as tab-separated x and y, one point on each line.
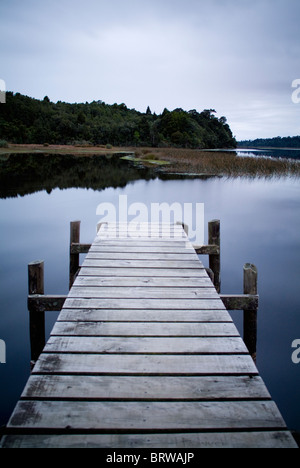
210	274
215	260
184	227
250	316
74	257
36	318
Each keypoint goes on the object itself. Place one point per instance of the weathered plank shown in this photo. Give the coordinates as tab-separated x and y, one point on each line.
142	256
136	292
125	272
146	249
144	329
146	416
143	242
165	264
41	303
136	236
89	364
138	233
240	302
146	281
207	249
144	345
142	231
124	388
139	226
133	316
144	304
77	248
254	439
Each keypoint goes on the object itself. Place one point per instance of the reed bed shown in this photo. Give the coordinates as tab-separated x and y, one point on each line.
187	161
181	161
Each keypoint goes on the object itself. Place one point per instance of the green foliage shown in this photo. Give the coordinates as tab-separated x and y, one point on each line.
25	120
278	142
3	144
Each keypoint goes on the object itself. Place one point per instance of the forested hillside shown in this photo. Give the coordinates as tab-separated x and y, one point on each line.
25	120
277	142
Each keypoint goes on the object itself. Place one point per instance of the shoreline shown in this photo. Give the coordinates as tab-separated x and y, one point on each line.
173	161
270	148
58	149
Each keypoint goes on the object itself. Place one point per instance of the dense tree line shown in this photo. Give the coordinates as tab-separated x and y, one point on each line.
25	120
278	142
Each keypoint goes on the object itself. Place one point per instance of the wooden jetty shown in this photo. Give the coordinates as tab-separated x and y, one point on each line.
144	354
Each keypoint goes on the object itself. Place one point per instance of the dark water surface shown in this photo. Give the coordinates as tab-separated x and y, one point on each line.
284	153
260	224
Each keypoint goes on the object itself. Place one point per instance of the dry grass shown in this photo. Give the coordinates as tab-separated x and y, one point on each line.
225	163
182	161
81	150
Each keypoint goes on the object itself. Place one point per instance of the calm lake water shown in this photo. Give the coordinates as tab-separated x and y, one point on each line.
260	223
270	153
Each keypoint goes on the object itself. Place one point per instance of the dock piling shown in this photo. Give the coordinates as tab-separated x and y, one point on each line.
74	257
36	318
215	259
250	316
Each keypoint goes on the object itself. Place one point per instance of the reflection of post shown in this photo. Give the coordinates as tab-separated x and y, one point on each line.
2	352
74	257
2	92
36	318
250	316
215	260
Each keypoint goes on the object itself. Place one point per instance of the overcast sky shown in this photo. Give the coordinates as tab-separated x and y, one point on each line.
238	57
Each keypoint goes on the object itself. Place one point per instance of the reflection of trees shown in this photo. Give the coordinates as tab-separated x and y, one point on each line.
22	174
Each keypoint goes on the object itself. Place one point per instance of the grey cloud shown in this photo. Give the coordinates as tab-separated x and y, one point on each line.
238	56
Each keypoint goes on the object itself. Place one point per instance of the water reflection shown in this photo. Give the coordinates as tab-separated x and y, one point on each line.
22	174
260	224
269	153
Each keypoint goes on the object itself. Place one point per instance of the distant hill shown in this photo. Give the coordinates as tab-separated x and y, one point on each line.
278	142
25	120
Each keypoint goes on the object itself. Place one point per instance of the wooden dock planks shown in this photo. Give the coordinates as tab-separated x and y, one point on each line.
144	355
